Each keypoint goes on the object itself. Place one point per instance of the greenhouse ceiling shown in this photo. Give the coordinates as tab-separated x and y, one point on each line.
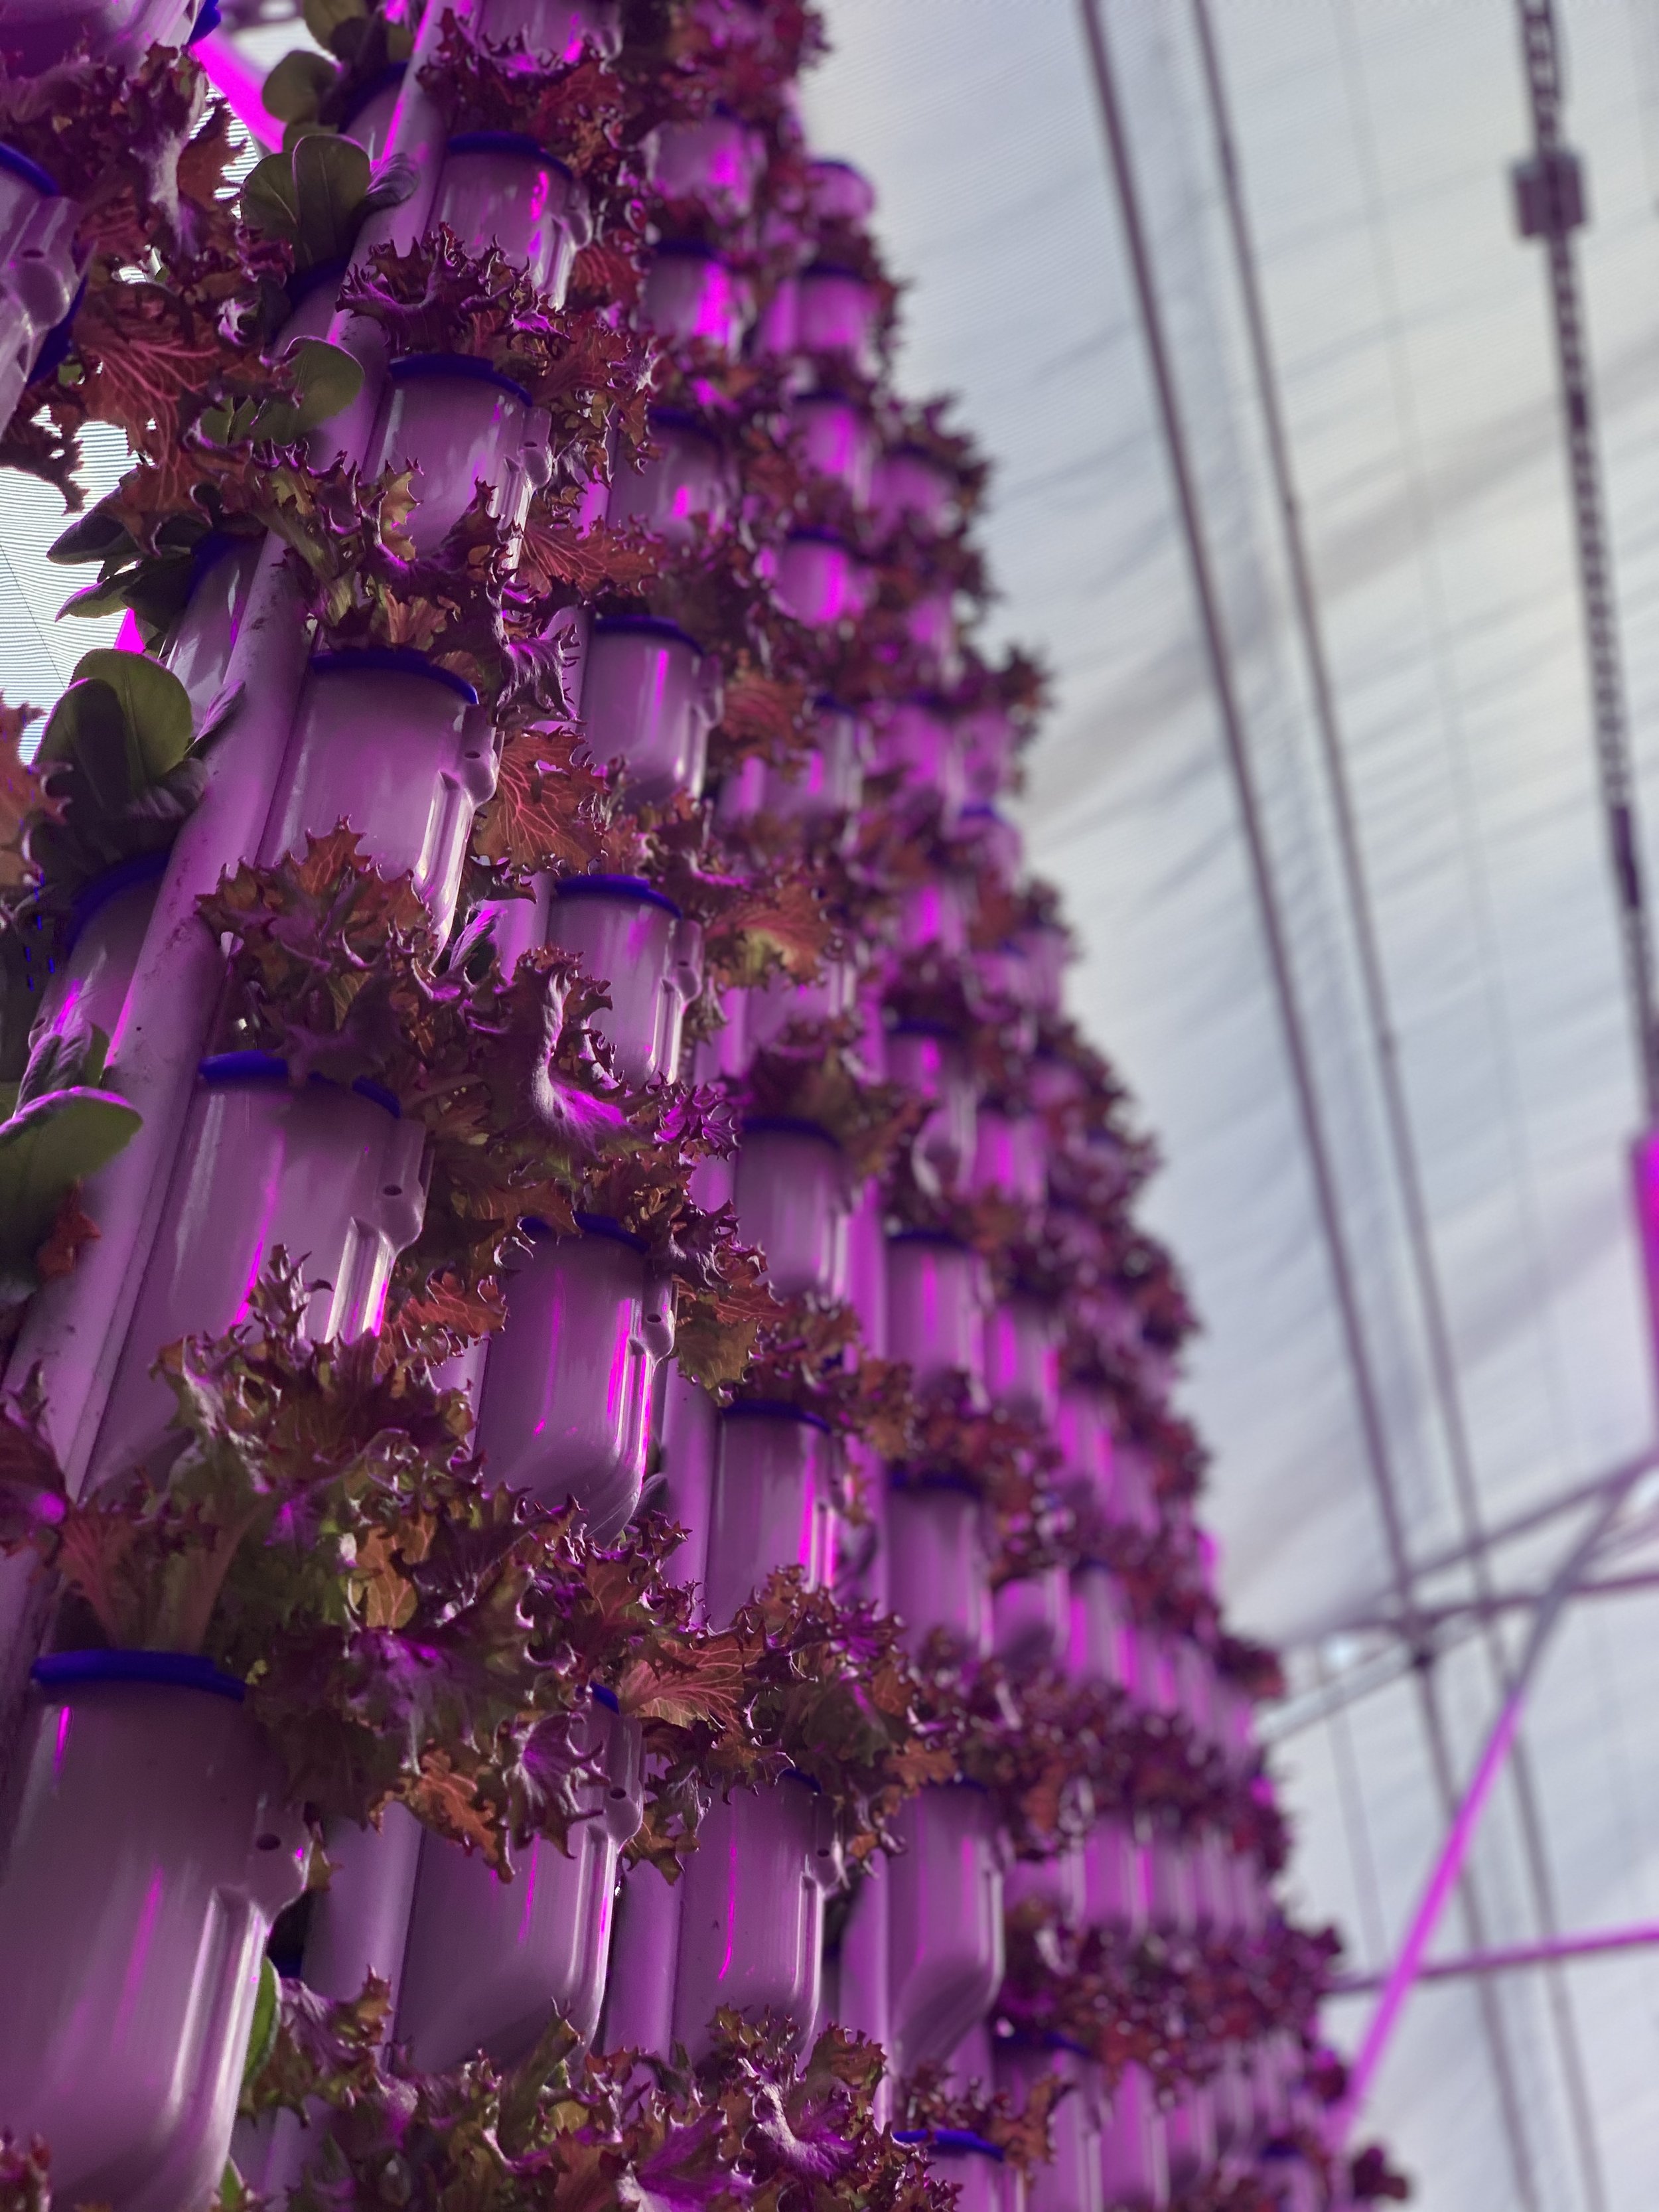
1411	360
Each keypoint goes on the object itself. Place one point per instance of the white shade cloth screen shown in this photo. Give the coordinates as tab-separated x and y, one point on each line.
1410	327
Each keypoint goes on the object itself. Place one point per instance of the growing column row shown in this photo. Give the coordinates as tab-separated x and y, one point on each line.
587	1361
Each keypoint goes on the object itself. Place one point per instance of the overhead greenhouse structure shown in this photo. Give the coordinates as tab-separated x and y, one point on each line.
829	1159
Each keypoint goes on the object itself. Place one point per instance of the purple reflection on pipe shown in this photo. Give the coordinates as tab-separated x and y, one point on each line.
526	1918
144	1936
731	1903
1442	1882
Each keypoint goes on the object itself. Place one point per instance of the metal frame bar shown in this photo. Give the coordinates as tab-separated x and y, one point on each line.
1500	1601
1378	1670
1602	1943
1525	1523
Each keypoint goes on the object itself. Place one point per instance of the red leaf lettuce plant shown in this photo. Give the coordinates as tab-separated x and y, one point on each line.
330	967
408	1635
566	2130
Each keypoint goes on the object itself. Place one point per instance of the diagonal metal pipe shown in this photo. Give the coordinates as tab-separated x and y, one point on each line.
1407	1969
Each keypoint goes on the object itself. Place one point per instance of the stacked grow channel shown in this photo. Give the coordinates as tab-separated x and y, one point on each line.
762	619
135	1780
44	230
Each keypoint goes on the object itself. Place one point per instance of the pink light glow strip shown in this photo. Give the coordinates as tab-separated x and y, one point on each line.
238	85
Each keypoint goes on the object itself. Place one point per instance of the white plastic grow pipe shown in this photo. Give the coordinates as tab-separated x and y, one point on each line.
76	1325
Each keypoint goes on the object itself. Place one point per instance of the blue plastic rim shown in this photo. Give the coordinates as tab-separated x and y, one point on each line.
1088	1562
963	2140
953	2141
147	868
916	1480
18	165
224	1070
608	1699
461	368
681	418
775	1409
305	281
391	660
619	887
820	538
603	1224
393	73
787	1124
175	1670
214	546
644	626
506	142
376	1093
941	1238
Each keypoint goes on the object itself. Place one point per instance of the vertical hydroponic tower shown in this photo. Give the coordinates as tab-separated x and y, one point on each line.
579	1355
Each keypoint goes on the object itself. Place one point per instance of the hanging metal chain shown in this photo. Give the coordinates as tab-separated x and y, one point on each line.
1549	194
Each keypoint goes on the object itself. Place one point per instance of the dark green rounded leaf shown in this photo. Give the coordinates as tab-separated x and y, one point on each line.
293	92
53	1144
322	18
155	706
94	537
269	202
267	2017
332	178
326	378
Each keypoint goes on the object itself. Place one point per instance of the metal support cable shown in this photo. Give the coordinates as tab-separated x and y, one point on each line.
1355	878
1292	1028
1552	211
1535	1517
1577	1496
1397	1118
1351	1795
1271	922
1332	1695
1521	1601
